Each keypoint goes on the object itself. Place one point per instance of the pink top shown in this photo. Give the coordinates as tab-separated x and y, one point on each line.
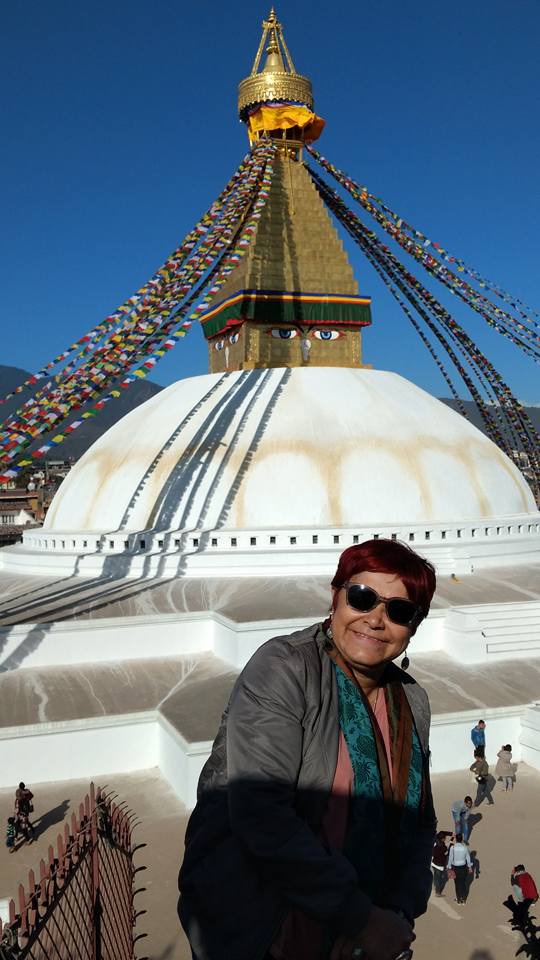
302	936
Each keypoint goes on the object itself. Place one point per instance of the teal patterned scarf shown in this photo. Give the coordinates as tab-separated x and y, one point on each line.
382	817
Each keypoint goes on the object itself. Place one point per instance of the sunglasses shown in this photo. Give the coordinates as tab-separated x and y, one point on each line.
398	610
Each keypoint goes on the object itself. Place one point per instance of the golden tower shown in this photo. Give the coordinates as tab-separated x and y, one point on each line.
293	299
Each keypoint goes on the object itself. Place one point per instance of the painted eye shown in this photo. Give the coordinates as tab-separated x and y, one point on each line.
234	338
283	334
327	334
219	344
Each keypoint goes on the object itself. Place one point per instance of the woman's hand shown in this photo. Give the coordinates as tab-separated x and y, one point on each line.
384	937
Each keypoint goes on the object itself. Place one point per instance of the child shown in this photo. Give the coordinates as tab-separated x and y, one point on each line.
10	834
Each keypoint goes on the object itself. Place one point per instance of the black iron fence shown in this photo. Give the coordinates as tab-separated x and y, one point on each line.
80	904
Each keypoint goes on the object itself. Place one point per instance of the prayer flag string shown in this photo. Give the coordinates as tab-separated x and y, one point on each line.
523	334
155	325
506	422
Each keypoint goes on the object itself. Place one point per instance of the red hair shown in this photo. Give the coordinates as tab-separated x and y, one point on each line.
389	556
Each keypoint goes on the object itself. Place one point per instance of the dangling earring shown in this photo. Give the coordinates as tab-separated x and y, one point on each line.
329	636
405	663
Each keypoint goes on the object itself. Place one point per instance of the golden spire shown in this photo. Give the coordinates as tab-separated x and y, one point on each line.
278	80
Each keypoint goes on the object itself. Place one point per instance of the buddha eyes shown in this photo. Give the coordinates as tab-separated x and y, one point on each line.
327	334
282	333
234	338
219	344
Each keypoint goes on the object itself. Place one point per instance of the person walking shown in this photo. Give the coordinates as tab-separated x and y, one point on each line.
460	815
438	863
478	737
480	768
23	808
460	867
504	769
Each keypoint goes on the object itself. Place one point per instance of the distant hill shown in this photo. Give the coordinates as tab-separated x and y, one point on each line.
474	416
88	433
137	393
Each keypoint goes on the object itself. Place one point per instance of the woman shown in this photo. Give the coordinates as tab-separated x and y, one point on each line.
504	769
439	858
460	867
314	826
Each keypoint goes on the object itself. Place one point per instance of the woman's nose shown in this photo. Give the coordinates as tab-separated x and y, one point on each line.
375	616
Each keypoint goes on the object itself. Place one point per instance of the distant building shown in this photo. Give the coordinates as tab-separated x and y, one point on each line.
19	509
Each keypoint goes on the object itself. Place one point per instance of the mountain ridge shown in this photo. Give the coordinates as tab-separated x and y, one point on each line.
139	392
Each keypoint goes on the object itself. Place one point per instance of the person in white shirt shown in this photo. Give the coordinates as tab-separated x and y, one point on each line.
459	861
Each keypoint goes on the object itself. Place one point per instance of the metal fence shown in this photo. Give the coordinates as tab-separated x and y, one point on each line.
80	905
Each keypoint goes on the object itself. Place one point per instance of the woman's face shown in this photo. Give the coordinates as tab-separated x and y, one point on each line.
369	640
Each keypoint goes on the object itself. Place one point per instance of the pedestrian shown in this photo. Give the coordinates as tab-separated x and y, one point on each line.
460	815
438	863
10	834
460	867
478	737
524	890
480	768
504	769
23	808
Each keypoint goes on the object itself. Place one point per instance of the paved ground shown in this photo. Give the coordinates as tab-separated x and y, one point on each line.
507	833
28	598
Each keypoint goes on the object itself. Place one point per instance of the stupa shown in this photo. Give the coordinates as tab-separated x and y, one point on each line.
211	517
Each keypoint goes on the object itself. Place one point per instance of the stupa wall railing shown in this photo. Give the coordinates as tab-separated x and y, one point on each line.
421	535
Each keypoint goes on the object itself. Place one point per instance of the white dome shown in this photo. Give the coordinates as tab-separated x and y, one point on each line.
319	447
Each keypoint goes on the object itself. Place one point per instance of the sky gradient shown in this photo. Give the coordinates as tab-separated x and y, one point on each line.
120	128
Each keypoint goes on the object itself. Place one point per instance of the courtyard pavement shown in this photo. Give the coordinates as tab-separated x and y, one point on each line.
506	834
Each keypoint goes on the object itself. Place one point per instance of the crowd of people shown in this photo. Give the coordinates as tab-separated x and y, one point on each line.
452	858
20	825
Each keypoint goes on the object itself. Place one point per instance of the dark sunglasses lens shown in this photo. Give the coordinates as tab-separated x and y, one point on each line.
361	598
401	611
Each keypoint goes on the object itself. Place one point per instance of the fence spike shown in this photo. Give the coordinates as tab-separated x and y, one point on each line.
138	846
22	909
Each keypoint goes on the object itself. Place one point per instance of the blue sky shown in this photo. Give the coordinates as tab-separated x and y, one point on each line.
120	127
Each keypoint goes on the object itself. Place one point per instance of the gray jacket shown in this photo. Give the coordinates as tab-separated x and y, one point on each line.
252	845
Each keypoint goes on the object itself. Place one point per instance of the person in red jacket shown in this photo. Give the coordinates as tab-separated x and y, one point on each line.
525	893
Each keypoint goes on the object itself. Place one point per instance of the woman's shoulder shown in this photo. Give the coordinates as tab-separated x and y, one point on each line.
303	644
293	654
285	670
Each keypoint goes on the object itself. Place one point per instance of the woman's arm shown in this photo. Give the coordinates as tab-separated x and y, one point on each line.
264	748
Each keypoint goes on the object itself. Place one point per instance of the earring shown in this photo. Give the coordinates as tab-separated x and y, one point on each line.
330	632
405	663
